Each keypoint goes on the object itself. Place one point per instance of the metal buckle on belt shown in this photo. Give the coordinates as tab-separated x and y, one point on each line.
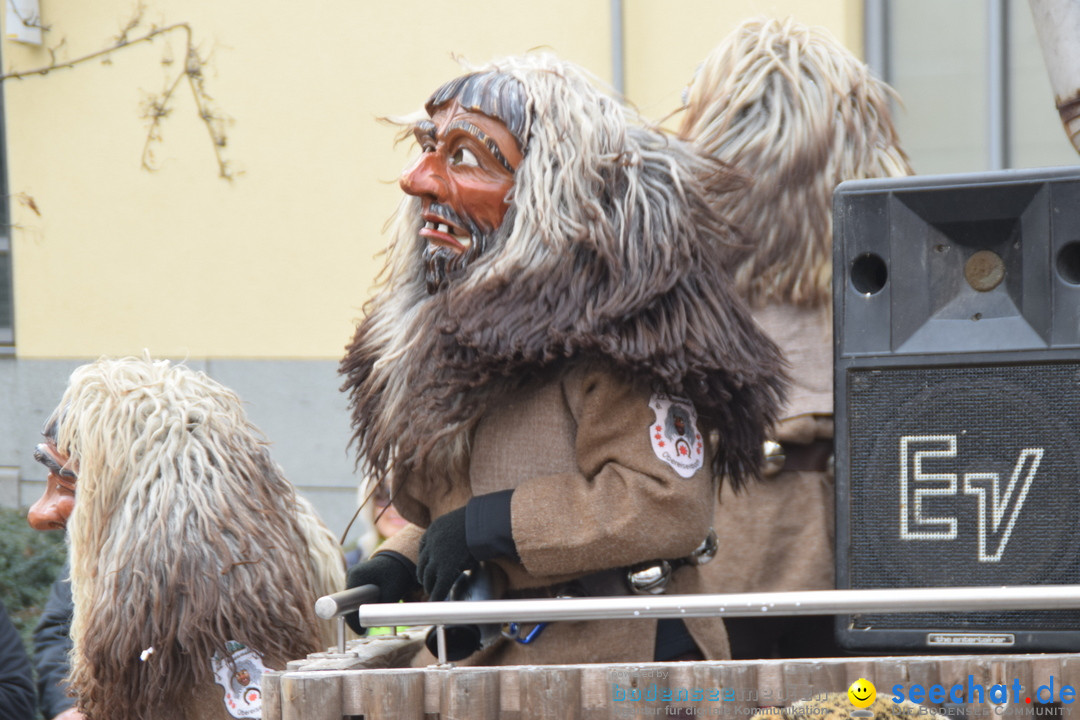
652	578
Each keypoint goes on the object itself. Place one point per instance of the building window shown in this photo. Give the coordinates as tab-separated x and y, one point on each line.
976	95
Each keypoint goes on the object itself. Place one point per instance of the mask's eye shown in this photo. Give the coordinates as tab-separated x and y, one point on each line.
54	467
465	157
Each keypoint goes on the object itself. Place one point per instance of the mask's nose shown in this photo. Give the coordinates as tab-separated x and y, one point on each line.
424	178
50	512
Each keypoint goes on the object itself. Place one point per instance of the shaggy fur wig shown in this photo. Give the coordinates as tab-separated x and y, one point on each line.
607	254
798	113
184	535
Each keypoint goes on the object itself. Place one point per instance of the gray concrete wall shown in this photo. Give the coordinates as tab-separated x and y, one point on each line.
296	403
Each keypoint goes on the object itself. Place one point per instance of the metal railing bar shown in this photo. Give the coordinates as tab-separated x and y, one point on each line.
817	602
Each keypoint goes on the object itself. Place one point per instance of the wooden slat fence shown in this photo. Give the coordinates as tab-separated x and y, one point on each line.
337	687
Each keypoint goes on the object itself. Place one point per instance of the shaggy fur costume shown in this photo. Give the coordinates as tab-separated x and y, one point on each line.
184	535
796	110
608	253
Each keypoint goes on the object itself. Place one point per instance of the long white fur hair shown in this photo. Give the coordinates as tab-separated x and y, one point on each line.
185	535
798	113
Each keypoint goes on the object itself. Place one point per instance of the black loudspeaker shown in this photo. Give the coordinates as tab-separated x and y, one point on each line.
957	380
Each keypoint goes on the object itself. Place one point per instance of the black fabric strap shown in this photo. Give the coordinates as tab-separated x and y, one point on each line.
672	640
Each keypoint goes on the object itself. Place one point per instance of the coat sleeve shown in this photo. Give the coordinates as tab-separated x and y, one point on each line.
625	504
405	542
16	674
52	646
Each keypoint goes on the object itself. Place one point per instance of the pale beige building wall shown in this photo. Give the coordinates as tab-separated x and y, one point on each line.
277	262
111	259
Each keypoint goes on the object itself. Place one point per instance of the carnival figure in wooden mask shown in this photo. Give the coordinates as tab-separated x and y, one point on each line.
797	113
553	306
194	564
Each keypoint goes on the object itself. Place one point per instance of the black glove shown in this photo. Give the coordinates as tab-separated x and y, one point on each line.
393	573
461	538
444	554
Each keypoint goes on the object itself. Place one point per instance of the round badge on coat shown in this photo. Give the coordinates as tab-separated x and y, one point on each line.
241	680
674	435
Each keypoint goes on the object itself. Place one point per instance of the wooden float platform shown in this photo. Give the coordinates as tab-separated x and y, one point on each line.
362	683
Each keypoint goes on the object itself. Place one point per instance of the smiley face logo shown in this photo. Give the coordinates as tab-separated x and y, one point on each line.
862	693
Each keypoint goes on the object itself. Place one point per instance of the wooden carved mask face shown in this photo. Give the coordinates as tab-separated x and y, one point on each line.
463	178
53	508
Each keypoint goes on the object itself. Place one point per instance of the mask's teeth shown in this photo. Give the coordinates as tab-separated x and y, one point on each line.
428	225
443	227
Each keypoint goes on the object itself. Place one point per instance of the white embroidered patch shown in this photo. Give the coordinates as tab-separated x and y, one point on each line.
243	686
674	436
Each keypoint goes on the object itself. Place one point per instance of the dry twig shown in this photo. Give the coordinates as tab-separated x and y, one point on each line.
157	106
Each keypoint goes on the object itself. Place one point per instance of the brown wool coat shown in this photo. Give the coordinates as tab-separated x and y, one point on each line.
589	494
778	534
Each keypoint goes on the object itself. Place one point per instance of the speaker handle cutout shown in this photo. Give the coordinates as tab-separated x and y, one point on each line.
869	274
1068	262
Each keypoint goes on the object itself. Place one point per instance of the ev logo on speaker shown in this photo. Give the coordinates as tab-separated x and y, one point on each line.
998	507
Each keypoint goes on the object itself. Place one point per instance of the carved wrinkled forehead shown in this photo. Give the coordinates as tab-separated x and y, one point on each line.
51	429
495	94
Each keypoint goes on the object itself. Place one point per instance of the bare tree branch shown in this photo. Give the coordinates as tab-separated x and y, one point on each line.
156	107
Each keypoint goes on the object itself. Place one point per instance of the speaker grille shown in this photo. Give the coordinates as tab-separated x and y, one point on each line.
964	476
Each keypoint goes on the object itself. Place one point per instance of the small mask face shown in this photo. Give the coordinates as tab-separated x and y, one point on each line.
54	507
